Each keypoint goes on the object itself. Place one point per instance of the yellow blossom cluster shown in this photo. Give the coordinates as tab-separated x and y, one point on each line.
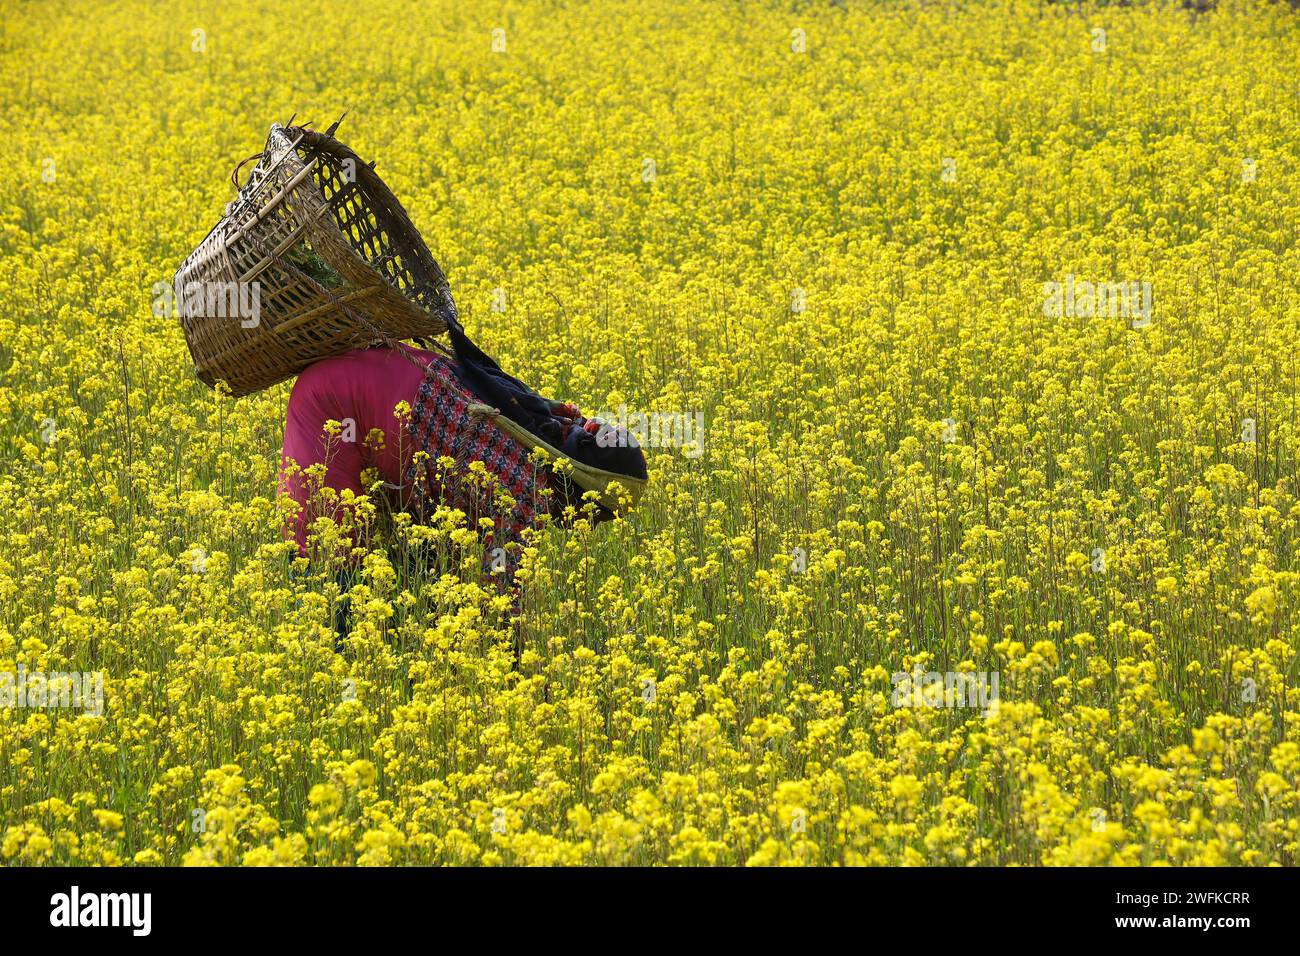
984	320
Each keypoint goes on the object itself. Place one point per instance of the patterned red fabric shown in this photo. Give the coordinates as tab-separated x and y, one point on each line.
442	426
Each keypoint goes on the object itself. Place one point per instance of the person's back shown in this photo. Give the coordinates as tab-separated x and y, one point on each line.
360	390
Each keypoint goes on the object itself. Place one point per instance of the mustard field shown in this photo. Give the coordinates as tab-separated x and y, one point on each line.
962	341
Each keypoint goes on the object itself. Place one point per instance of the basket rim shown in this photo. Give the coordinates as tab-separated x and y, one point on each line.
295	137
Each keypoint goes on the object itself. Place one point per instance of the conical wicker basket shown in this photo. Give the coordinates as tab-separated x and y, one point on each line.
324	251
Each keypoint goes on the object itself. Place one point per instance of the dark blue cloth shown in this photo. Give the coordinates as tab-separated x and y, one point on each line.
524	406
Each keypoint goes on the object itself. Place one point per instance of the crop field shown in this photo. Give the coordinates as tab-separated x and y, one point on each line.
962	342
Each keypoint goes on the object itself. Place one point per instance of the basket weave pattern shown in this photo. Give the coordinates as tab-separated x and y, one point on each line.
337	262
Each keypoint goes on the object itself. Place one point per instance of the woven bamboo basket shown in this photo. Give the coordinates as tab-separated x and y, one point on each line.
336	263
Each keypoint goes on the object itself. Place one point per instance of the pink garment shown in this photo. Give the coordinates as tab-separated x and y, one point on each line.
360	390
